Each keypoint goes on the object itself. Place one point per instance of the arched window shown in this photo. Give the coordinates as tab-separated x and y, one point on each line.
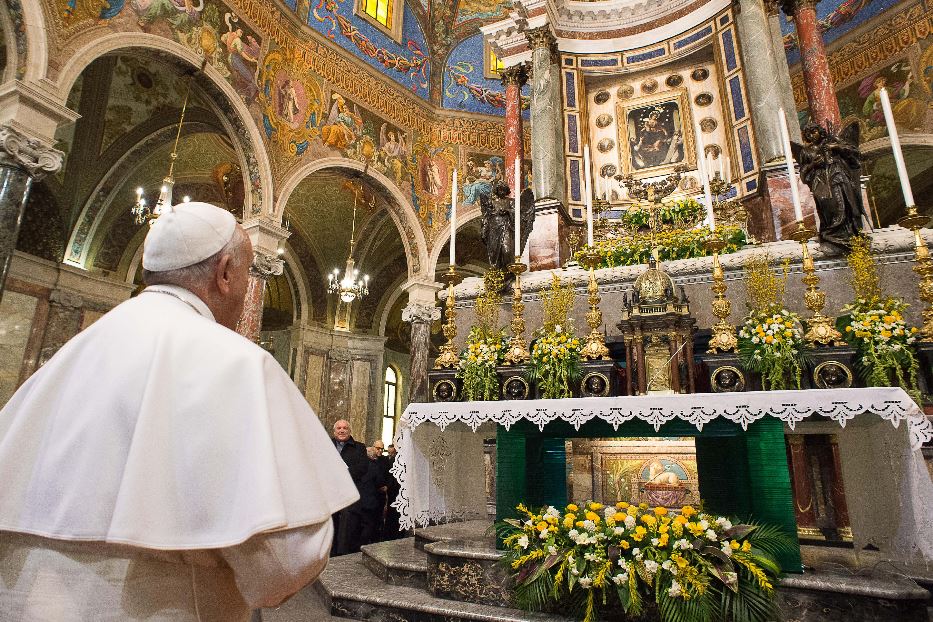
389	405
492	64
386	15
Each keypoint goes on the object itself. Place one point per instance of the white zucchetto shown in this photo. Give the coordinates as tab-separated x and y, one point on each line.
186	234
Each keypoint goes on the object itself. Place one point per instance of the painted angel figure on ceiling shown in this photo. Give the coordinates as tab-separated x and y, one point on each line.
829	165
497	227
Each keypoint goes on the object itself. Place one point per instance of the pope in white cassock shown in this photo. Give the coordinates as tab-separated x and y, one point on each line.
160	466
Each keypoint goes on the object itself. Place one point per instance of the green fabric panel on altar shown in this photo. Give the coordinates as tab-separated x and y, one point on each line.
769	482
511	485
546	471
722	467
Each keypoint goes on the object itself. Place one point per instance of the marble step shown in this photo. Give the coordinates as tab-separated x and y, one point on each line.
351	591
467	530
467	570
397	562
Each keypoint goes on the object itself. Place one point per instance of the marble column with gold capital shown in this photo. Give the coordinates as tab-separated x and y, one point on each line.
23	160
514	78
547	128
546	246
821	93
264	267
421	315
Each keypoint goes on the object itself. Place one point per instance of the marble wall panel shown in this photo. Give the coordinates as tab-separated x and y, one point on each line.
313	374
361	383
16	313
337	399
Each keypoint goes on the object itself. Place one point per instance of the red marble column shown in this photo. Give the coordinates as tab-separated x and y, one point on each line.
264	267
821	94
800	481
514	78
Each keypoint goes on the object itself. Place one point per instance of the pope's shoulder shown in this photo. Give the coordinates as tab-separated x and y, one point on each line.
168	319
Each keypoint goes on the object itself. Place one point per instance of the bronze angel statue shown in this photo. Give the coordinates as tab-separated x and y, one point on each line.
498	223
829	165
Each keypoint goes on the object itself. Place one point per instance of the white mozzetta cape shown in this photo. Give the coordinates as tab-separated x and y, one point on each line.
159	428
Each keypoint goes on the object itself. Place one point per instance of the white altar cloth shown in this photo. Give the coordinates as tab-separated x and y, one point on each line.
440	467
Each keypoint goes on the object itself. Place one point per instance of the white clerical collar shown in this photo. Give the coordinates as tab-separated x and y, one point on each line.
186	296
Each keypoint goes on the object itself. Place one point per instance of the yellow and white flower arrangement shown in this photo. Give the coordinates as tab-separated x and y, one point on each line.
555	354
874	325
771	337
771	344
687	564
485	345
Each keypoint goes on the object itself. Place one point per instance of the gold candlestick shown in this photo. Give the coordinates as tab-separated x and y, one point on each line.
820	329
595	347
449	357
924	268
723	338
518	351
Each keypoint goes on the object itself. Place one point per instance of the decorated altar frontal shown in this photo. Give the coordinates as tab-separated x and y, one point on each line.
441	472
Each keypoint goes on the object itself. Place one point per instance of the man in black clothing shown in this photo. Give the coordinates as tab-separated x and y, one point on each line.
372	499
347	522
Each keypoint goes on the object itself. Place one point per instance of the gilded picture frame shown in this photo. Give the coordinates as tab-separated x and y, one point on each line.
649	130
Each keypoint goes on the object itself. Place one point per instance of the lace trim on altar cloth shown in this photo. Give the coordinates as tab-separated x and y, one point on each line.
892	404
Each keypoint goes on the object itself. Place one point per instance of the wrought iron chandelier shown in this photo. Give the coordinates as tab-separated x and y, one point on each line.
351	286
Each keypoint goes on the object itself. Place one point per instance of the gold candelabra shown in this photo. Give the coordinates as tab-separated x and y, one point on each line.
595	347
820	328
448	357
723	338
518	351
924	268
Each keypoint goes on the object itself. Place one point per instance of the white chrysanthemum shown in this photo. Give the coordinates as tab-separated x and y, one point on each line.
683	543
589	525
704	524
609	512
630	521
724	522
552	512
726	549
618	531
674	590
620	578
651	566
655	541
575	572
585	582
523	542
552	550
572	534
544	535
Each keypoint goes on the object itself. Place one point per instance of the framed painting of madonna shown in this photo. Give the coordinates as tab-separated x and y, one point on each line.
656	134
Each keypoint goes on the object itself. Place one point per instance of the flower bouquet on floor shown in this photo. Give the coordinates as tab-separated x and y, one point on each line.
486	344
874	325
555	353
679	566
771	337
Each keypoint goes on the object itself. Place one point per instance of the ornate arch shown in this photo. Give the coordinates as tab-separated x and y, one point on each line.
229	108
400	208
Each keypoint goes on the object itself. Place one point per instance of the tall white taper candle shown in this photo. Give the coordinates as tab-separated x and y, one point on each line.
704	178
518	209
791	172
588	195
454	196
896	148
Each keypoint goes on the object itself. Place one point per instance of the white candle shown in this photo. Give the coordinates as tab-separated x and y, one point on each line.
704	178
454	196
587	195
789	159
896	148
518	209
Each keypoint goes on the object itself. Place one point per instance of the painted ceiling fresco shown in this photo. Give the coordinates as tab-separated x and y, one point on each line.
836	18
467	88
